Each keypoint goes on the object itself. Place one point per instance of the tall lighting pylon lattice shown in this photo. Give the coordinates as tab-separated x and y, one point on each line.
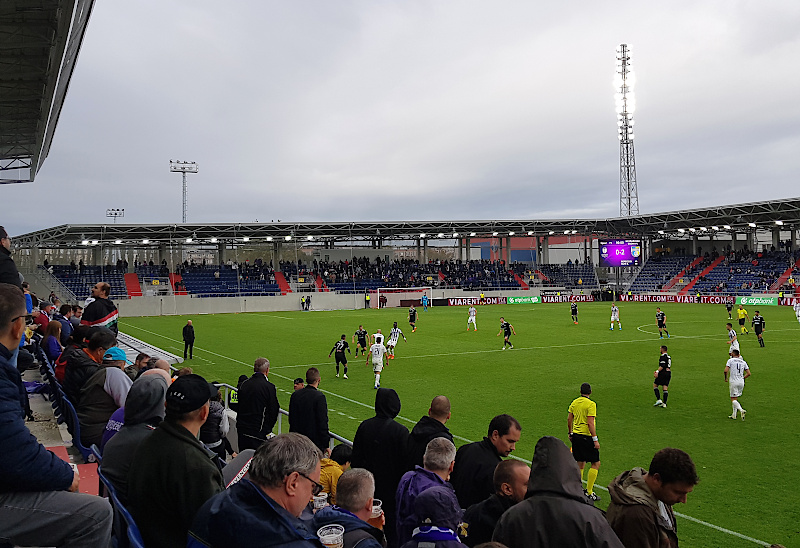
626	105
178	166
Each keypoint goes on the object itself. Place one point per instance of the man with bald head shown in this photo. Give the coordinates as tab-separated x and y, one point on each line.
188	339
429	427
258	407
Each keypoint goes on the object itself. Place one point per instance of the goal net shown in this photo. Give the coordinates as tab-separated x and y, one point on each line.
394	297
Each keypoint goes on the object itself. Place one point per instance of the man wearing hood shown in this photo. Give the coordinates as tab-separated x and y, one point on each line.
438	516
554	489
428	427
144	410
641	500
379	446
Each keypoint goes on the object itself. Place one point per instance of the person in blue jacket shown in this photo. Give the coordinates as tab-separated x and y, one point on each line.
39	500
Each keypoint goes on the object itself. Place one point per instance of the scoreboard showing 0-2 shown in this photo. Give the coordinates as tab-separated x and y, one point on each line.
620	253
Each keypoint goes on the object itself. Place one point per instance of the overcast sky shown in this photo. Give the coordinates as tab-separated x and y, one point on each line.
407	110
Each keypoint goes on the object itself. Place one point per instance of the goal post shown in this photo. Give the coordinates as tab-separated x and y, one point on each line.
402	296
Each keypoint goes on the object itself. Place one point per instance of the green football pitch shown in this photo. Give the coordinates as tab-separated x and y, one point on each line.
743	496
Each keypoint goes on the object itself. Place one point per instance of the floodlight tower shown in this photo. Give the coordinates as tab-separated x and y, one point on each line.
626	105
178	166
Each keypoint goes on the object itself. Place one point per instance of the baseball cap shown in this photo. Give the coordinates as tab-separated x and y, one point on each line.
189	393
299	380
115	353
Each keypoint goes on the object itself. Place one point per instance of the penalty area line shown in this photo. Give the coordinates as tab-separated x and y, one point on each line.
466	440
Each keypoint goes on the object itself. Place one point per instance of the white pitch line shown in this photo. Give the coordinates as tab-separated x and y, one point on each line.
372	407
270	315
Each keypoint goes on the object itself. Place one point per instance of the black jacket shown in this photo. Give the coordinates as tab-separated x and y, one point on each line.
423	432
8	268
80	367
555	511
472	477
188	333
308	415
379	446
103	313
481	518
257	408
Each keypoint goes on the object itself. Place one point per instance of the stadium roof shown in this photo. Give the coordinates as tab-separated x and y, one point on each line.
39	45
739	218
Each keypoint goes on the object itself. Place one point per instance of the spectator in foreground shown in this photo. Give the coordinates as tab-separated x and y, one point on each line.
353	510
138	364
8	268
39	500
511	479
84	362
428	427
475	462
379	446
258	407
308	412
143	412
173	474
283	477
104	392
214	431
640	510
555	489
75	343
332	469
438	517
439	459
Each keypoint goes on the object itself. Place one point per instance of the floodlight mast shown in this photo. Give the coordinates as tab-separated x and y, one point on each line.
178	166
625	106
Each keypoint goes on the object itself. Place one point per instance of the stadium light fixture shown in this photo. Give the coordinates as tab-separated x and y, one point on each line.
625	105
574	231
183	168
145	241
494	233
288	238
455	234
566	232
422	235
309	238
269	238
661	232
471	234
441	235
726	227
245	239
692	230
551	233
751	225
779	223
715	228
530	233
188	240
117	242
703	229
511	233
84	242
681	230
213	240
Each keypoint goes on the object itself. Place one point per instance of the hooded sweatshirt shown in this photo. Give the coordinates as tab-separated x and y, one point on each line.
144	410
635	515
379	446
555	511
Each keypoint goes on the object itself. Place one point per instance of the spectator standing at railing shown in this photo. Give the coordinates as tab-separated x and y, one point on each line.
308	412
258	407
101	311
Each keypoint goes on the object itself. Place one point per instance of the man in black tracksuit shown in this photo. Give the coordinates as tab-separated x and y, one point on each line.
188	339
257	407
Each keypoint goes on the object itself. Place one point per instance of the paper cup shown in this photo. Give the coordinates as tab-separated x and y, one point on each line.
331	536
376	508
320	501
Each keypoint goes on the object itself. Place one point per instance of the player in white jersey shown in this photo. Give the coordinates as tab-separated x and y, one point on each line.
738	370
615	317
732	339
378	337
378	353
394	337
797	310
473	313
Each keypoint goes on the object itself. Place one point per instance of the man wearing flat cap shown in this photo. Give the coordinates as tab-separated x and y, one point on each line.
172	473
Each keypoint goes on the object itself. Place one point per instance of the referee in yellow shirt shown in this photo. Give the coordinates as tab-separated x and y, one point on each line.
583	435
742	313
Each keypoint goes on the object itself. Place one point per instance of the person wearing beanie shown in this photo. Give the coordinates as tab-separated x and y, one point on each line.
172	474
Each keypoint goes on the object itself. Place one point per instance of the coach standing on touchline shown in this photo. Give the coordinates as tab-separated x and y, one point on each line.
188	339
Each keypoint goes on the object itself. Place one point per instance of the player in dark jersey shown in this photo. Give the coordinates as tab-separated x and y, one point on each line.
661	320
360	340
573	306
412	318
507	329
340	346
759	326
729	308
663	375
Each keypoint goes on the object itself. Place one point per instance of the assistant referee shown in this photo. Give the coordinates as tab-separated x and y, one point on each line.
583	435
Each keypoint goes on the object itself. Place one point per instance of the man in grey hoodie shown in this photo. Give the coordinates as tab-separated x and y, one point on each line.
144	410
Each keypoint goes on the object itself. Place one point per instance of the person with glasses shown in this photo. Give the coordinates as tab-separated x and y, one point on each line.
39	500
283	477
8	268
